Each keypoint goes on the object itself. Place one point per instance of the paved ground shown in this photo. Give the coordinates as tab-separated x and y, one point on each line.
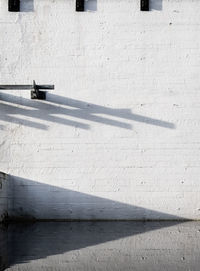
101	246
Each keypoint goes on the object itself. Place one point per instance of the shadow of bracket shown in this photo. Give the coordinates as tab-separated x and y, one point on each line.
27	5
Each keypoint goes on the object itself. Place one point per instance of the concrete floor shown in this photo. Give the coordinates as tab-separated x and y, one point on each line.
101	246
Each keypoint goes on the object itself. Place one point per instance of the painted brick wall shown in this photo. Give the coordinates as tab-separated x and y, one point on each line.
119	136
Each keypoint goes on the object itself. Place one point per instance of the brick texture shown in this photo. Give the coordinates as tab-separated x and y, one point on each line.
119	136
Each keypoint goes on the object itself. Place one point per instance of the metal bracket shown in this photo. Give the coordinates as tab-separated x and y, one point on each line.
14	5
35	89
144	5
80	5
36	93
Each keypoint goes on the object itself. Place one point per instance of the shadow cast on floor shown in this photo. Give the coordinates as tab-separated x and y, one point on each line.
27	242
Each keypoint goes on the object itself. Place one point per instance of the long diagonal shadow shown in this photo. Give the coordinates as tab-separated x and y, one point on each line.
57	105
33	200
97	109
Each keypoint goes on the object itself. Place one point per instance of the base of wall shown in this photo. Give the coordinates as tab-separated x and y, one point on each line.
29	220
3	197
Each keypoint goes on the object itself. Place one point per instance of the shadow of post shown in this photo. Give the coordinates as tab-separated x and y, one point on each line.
26	5
156	5
91	5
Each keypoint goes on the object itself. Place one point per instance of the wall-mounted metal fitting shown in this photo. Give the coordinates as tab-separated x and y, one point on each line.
36	92
144	5
14	5
80	5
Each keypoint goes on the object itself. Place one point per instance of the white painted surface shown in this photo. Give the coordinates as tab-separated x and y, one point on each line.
121	126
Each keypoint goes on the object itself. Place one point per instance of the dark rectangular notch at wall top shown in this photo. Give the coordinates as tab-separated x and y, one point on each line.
14	5
144	5
79	5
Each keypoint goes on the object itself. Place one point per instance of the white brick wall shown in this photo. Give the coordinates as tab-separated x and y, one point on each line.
119	135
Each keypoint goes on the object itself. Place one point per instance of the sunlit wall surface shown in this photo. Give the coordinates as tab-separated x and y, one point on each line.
118	137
